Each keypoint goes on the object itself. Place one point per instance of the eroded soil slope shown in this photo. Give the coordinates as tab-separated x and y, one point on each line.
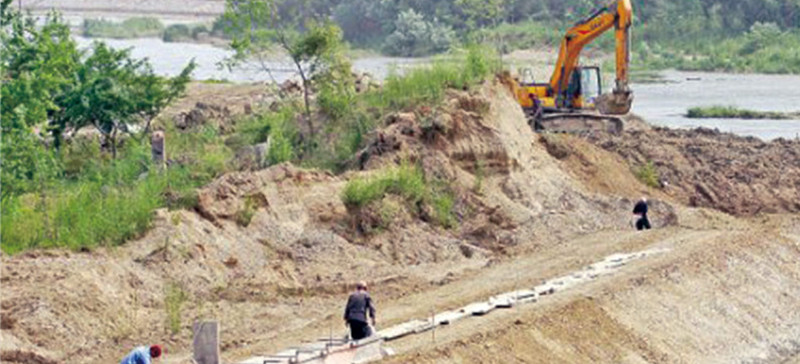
270	253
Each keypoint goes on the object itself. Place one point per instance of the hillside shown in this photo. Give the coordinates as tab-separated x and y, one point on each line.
272	252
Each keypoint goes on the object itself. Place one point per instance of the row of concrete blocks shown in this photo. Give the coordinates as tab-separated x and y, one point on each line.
510	299
334	351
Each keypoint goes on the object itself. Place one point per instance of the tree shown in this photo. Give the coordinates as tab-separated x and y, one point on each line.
257	29
112	91
36	63
414	36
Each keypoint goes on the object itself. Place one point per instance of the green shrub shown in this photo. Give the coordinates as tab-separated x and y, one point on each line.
648	175
129	28
245	215
177	33
443	202
184	32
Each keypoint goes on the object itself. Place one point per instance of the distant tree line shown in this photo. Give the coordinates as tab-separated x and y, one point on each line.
419	27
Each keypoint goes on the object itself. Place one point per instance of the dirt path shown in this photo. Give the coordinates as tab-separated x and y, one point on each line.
499	276
716	296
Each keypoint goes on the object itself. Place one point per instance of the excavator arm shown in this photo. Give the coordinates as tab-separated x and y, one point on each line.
617	15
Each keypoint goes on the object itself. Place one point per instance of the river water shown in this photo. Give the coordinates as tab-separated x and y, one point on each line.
663	103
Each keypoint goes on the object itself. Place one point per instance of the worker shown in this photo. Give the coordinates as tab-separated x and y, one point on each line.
640	210
142	355
359	305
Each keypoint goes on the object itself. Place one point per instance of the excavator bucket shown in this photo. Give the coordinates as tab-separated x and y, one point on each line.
616	103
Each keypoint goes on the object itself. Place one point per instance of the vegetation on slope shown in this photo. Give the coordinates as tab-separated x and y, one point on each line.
78	193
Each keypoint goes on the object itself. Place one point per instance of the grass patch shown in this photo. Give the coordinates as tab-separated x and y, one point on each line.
408	182
731	112
130	28
648	175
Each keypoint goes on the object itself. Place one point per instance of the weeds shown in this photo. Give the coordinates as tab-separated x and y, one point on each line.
174	298
480	174
648	175
443	201
245	215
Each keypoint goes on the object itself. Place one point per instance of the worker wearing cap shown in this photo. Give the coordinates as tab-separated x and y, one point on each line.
142	355
359	305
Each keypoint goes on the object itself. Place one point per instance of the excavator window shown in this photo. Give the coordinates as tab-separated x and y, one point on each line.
526	77
590	83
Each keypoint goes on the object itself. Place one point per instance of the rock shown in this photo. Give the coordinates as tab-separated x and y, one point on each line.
252	157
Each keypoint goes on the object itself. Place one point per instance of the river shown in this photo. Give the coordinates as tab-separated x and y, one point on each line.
662	103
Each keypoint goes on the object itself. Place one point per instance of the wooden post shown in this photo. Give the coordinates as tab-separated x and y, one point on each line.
158	148
206	342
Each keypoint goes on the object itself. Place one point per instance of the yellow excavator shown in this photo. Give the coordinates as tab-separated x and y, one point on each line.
573	101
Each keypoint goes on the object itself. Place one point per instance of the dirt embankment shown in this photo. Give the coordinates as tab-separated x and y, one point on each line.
271	252
706	168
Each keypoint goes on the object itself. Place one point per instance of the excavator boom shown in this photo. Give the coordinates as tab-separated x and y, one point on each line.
617	15
573	100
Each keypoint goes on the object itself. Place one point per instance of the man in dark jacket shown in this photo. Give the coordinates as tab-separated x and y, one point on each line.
359	305
640	209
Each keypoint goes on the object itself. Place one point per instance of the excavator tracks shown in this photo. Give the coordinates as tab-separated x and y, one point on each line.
577	123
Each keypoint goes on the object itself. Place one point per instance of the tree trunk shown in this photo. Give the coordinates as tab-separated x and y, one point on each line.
306	86
113	139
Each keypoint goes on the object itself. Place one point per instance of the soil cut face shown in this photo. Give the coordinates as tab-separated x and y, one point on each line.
742	176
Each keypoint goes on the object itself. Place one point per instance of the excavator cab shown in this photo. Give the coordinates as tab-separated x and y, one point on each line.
584	88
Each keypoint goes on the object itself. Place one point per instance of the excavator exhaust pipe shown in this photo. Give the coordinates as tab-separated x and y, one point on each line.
616	103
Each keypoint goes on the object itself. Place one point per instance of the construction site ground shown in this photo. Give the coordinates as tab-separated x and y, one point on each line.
531	208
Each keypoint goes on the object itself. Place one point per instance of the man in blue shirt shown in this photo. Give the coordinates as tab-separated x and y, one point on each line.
142	355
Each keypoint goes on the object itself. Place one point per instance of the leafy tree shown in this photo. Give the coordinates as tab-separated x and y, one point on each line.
315	52
36	63
414	37
113	91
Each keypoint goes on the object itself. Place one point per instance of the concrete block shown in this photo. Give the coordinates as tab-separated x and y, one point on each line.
398	331
479	308
449	317
206	342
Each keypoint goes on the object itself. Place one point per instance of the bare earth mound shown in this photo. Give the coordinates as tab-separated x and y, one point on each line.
738	175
